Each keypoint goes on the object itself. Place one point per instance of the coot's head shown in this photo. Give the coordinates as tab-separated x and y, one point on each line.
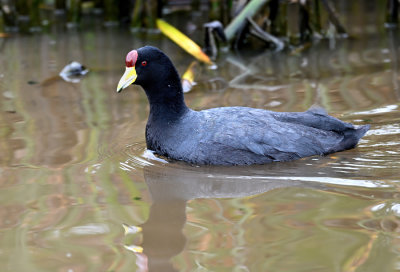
148	66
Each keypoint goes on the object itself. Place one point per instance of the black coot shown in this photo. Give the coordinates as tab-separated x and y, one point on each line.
227	135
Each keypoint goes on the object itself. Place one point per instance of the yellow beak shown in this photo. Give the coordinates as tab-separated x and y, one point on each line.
127	79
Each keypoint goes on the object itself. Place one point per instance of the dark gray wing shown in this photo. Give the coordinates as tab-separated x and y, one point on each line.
314	117
261	133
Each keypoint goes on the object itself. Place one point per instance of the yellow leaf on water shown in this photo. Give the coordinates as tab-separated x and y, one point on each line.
131	229
134	249
188	77
189	74
183	41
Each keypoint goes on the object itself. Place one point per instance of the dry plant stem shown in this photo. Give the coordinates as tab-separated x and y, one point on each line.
265	36
333	18
392	16
249	10
9	15
74	12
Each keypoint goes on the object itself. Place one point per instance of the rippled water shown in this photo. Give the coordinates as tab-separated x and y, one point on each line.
74	168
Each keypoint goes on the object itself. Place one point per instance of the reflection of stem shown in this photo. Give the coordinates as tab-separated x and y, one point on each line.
344	92
237	82
371	93
322	96
240	230
309	88
361	255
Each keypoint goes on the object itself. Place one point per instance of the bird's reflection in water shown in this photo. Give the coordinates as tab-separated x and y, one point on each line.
170	189
172	185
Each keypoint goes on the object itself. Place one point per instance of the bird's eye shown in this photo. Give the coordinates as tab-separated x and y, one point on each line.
144	63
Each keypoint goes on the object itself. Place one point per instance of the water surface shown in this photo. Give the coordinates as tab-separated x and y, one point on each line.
74	167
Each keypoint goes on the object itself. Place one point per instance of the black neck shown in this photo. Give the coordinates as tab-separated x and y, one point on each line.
166	100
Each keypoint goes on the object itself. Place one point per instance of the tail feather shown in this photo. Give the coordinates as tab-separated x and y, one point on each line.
353	136
361	130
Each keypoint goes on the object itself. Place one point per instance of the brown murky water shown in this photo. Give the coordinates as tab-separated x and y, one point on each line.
73	165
